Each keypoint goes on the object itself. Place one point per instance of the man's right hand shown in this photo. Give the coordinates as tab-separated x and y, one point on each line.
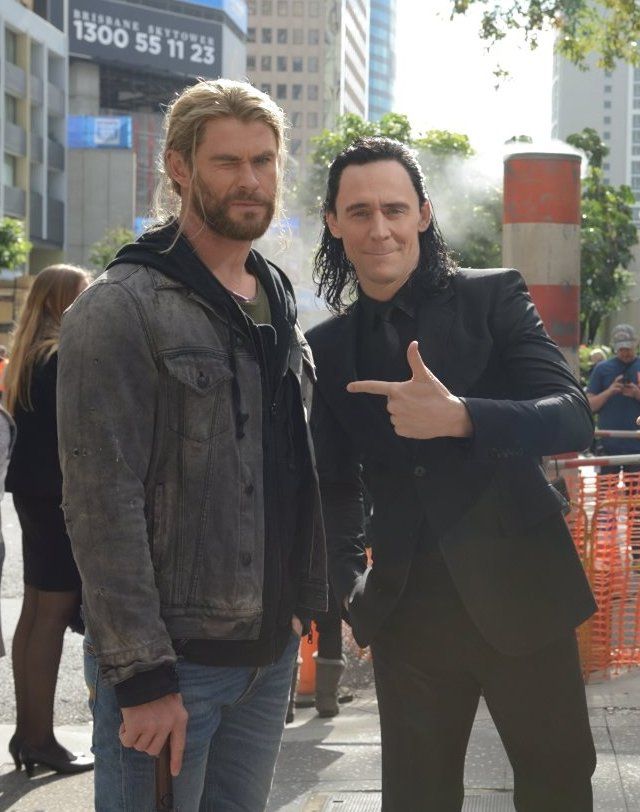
147	727
617	386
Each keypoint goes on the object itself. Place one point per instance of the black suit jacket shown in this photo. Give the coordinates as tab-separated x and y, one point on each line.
496	518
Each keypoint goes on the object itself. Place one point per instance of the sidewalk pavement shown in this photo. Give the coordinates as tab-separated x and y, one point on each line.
334	765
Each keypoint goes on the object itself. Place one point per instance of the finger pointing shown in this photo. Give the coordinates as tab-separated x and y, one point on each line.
371	387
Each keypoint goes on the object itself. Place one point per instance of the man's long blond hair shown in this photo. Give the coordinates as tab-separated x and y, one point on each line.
184	125
37	333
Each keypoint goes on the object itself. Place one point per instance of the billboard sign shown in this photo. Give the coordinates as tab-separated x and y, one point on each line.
236	10
138	36
99	132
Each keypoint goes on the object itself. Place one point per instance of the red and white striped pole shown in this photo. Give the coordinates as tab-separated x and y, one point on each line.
541	238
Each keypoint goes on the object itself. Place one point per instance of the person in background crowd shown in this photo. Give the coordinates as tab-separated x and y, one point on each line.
189	485
439	390
51	580
7	439
614	395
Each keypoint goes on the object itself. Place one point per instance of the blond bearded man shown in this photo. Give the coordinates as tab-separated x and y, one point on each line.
189	487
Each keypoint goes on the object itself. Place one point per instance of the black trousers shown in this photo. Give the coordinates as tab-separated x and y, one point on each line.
431	665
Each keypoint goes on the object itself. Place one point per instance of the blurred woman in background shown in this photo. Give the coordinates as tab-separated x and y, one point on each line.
51	579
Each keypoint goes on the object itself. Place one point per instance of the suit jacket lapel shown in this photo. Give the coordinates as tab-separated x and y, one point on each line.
369	426
436	316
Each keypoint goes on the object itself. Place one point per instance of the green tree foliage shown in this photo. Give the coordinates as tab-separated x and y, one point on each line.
607	236
609	29
330	142
103	251
14	246
468	206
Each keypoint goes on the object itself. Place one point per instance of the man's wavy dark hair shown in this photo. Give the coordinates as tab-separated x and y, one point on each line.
333	273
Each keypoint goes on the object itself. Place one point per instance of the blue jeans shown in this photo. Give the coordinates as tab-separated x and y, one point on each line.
236	719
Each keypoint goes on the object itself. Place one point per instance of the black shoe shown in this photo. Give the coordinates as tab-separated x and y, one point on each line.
14	750
59	763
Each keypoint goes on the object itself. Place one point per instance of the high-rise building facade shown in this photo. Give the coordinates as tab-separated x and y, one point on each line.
382	58
33	108
609	102
312	57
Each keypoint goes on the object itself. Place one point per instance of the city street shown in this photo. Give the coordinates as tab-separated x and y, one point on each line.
325	764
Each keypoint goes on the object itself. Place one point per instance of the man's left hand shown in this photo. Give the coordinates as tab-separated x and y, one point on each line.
632	390
421	408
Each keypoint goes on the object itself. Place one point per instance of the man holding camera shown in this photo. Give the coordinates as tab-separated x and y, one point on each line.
614	395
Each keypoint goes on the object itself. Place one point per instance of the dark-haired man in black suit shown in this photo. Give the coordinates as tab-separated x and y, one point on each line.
439	390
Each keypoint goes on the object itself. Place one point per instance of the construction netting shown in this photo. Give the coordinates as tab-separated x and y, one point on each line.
605	525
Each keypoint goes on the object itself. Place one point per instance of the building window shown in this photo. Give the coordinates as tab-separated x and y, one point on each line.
607	88
251	34
265	62
297	64
635	151
281	63
283	36
298	8
606	135
10	170
281	91
296	119
266	7
312	64
11	108
607	105
267	36
312	92
313	36
296	92
265	87
283	8
251	62
314	8
11	46
312	119
607	120
296	144
606	167
635	167
251	7
298	36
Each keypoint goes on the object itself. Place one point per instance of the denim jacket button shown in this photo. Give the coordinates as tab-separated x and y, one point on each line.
249	489
419	471
246	559
203	381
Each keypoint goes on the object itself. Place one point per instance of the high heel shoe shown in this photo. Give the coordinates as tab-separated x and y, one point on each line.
14	750
58	763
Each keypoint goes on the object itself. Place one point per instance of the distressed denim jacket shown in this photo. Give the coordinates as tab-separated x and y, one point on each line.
164	504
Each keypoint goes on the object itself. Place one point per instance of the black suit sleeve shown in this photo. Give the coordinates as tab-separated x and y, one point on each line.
549	413
342	500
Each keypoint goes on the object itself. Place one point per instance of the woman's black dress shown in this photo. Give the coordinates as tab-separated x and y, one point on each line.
35	480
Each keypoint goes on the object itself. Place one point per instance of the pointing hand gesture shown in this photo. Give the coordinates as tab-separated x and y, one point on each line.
421	408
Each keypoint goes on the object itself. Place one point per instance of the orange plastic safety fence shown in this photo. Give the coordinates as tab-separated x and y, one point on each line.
605	525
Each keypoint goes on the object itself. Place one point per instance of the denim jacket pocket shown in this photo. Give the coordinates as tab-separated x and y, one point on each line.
199	394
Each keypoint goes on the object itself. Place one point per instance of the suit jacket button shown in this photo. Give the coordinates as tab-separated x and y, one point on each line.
419	470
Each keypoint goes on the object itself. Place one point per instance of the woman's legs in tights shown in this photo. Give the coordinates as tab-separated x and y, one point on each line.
36	651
